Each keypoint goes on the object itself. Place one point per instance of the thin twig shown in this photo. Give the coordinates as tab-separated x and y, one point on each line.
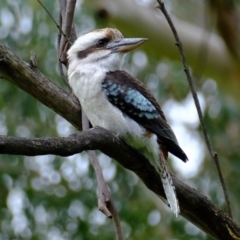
67	12
60	65
67	9
103	192
62	32
197	104
105	203
67	22
116	220
59	39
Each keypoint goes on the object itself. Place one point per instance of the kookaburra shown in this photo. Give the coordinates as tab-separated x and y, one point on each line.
114	100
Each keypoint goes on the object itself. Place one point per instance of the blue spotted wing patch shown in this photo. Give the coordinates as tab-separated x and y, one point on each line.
129	100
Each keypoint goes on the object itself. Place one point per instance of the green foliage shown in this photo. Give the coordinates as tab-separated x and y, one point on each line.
50	197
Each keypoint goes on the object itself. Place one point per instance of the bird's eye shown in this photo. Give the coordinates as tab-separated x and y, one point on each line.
103	42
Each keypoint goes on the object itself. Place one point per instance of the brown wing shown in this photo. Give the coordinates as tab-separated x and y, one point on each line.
136	101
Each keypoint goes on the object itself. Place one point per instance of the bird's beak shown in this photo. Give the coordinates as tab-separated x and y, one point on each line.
126	44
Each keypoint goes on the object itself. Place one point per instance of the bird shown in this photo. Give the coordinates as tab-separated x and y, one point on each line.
113	99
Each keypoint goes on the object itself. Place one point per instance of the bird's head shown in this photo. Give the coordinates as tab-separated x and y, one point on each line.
101	48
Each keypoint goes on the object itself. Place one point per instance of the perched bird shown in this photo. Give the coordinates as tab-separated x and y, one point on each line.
114	100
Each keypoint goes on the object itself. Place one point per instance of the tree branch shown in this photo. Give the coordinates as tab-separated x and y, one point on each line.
67	12
194	206
32	81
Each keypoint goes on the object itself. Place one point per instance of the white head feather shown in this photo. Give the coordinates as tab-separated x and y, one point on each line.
85	51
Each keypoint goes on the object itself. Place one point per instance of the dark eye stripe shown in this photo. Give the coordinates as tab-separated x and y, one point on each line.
86	52
101	43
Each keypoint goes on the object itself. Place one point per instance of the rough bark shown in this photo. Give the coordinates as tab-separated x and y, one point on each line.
27	77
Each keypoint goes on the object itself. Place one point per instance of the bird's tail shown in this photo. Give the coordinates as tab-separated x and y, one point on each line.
168	186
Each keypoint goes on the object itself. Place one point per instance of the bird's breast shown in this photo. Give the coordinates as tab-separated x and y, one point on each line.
88	89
